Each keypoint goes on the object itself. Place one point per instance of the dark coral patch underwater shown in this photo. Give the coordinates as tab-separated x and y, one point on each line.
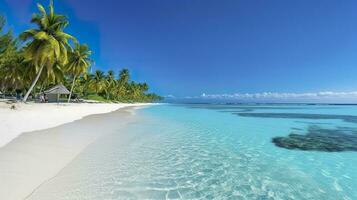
320	139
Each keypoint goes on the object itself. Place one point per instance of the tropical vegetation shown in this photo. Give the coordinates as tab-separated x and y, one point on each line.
47	55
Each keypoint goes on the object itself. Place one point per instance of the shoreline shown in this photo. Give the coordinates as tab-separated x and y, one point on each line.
33	158
28	117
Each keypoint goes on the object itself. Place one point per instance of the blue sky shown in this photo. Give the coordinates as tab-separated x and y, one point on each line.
189	47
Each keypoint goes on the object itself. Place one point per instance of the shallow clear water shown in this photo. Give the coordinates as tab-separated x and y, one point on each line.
211	152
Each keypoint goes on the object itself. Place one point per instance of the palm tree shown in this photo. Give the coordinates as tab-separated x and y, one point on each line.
144	87
7	53
97	82
51	76
80	86
122	84
110	83
5	39
78	63
124	76
12	71
48	43
86	81
135	90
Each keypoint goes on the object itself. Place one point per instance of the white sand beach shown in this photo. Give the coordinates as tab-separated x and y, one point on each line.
28	160
33	116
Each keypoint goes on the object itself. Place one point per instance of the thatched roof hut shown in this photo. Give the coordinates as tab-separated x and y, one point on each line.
55	92
58	89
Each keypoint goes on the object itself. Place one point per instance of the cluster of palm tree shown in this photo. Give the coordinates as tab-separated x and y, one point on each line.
47	55
108	86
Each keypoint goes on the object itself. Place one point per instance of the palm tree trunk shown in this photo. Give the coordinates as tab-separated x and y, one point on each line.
33	84
70	93
107	93
42	86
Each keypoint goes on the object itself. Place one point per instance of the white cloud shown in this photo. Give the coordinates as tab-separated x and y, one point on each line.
318	97
169	96
280	96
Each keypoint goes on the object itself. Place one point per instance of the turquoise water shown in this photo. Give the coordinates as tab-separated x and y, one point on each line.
212	152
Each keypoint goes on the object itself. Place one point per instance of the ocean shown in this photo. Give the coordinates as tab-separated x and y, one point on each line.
218	151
